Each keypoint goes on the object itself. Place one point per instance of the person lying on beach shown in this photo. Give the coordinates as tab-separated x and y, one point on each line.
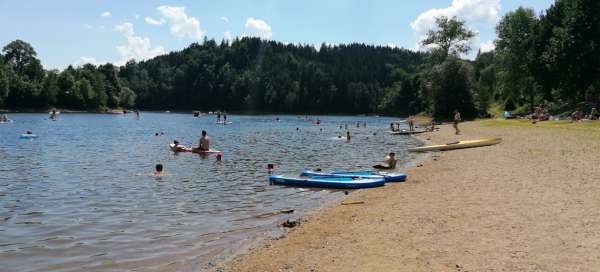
388	163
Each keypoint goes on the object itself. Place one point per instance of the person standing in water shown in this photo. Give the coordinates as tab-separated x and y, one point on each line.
218	116
224	118
204	143
456	120
348	136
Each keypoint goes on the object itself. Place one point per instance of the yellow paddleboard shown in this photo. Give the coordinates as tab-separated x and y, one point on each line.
457	145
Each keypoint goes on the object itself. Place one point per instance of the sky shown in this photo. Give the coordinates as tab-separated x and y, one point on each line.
74	32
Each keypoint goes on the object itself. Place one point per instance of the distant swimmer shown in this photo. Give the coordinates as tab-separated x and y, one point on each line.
388	163
53	115
204	143
159	170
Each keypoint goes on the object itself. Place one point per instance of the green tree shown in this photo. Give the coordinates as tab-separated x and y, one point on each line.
20	55
515	48
452	36
451	87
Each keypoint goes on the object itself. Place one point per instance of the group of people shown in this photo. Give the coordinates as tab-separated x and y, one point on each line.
219	117
580	115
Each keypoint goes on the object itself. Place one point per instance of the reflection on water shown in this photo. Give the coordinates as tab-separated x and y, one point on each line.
80	196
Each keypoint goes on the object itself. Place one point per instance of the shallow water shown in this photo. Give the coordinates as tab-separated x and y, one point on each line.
80	196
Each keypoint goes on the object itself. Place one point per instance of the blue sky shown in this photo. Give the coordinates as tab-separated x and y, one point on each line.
67	32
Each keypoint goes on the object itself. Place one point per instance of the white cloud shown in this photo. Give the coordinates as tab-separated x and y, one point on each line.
487	46
257	28
91	60
181	24
225	19
227	36
471	11
125	28
137	16
154	21
138	48
105	14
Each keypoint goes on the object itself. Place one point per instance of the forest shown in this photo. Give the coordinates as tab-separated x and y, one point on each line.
552	59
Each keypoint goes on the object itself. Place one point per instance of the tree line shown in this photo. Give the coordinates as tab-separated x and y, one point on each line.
551	59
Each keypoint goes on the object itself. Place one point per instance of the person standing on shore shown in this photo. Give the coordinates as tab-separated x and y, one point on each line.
456	120
411	123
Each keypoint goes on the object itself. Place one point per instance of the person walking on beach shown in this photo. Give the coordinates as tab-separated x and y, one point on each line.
456	120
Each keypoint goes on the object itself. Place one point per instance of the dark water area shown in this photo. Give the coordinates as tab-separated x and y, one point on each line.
80	197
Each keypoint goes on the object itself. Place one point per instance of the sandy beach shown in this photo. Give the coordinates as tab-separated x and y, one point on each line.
527	204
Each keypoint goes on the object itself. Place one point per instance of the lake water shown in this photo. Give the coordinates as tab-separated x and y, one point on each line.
80	197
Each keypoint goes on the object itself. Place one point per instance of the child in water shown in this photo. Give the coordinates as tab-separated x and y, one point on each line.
159	170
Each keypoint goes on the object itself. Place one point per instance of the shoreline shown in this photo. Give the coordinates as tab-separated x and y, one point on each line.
525	204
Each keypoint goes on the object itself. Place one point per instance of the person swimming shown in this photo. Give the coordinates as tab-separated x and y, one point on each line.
158	170
177	147
388	163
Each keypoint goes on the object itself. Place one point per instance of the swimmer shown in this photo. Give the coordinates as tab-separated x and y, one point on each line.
159	170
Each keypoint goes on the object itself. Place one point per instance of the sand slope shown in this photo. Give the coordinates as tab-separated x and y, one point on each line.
531	203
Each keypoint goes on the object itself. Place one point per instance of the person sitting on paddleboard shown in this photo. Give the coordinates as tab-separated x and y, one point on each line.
204	144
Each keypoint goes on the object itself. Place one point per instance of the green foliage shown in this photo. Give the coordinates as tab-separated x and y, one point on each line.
553	58
452	36
451	87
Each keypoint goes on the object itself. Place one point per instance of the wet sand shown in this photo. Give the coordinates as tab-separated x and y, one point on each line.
530	203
